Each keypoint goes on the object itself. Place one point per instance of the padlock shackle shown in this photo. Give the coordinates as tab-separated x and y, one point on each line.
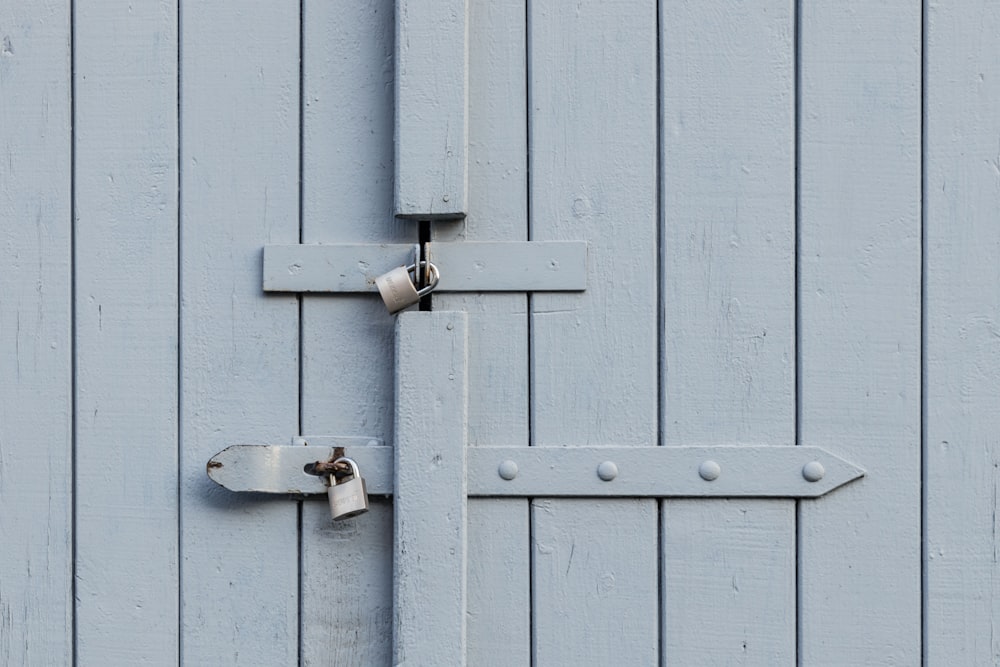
349	461
432	270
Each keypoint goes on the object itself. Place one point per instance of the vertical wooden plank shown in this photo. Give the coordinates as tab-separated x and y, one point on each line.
36	608
431	108
859	337
429	569
592	128
728	566
239	348
126	332
499	576
962	344
347	340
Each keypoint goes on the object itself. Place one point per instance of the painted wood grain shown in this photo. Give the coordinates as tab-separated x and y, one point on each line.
962	335
431	100
499	577
239	162
347	340
36	565
430	501
728	372
859	335
125	72
592	128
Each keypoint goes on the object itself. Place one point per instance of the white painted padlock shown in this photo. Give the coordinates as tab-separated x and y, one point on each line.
398	289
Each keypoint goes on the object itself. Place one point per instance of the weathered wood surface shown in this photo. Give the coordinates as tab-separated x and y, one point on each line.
592	127
499	538
431	129
430	500
347	340
728	337
239	174
962	335
36	408
125	82
206	97
859	336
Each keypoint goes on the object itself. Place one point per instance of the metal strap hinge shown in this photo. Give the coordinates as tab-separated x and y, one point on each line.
639	471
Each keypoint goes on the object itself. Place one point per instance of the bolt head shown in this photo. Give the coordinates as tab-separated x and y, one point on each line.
607	471
709	470
813	471
507	470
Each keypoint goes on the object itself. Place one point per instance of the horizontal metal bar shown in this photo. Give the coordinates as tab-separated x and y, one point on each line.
530	266
658	472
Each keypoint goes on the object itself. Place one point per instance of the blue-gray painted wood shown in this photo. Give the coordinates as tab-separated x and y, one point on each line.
499	540
430	502
239	107
591	123
592	129
36	409
125	73
431	128
859	337
728	372
962	334
347	340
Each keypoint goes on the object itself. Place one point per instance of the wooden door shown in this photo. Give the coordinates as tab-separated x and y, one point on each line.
790	217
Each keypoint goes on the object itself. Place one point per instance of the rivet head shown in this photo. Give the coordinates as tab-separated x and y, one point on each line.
607	471
507	470
813	471
709	470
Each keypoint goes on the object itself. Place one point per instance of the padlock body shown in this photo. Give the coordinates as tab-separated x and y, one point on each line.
397	290
348	498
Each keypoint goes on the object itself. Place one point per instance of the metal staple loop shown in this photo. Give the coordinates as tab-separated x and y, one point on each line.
325	468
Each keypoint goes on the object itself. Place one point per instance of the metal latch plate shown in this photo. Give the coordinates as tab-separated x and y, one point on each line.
535	266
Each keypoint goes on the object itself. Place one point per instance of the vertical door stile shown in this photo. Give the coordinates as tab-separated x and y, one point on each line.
860	326
431	418
126	332
36	447
962	335
239	174
592	91
347	340
429	567
431	129
499	576
727	175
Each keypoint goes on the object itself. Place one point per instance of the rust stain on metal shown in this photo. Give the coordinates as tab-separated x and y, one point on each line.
214	464
324	468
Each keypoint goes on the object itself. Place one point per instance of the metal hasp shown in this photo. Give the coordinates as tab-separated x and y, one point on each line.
725	471
528	266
